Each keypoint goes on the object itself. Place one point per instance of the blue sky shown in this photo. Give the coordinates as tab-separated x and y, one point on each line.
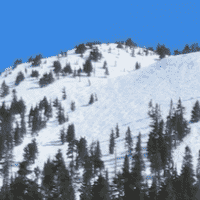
47	27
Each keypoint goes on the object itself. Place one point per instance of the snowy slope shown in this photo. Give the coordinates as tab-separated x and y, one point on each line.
123	98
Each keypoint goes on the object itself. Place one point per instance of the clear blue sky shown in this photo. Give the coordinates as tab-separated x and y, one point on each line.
47	27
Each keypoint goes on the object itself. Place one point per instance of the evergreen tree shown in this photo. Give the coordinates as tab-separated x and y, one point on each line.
128	181
168	133
48	180
129	140
112	142
91	99
17	135
82	150
19	78
180	125
137	66
60	114
63	182
162	145
117	131
186	49
67	69
118	187
14	102
57	67
34	73
31	152
62	135
162	51
130	43
152	144
120	46
64	94
100	189
23	124
30	116
86	188
70	138
198	176
48	111
133	53
87	67
104	64
138	167
55	103
4	89
187	175
16	63
98	163
195	112
80	49
72	106
95	54
92	157
37	60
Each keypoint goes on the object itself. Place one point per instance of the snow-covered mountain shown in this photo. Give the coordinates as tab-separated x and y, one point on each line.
123	98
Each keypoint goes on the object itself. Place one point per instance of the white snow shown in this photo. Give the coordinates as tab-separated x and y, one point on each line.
123	98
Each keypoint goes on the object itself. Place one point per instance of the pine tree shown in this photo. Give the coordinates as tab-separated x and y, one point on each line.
70	138
198	175
48	110
168	133
4	89
87	67
63	182
31	152
152	144
64	94
137	66
67	69
60	114
62	135
72	106
82	150
180	125
91	99
23	124
117	131
48	178
17	135
187	175
104	64
133	53
98	163
85	191
112	142
128	181
195	112
100	189
118	187
19	78
129	140
55	103
138	166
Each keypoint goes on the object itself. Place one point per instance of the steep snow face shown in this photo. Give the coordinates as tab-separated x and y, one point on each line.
123	98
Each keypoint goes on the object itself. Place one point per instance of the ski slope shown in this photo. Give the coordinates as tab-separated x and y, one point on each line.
123	98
